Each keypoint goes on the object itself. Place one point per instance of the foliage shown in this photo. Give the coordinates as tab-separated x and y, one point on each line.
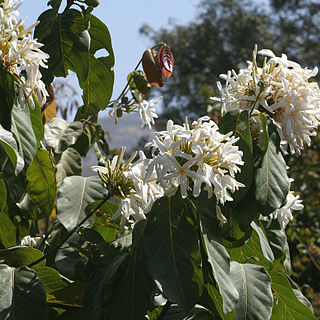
134	242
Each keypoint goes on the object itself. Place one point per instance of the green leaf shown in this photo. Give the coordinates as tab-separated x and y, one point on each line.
41	182
9	145
22	294
74	195
95	291
36	120
98	86
6	292
272	182
23	131
60	135
286	305
70	164
21	256
55	4
277	240
265	247
172	251
29	296
68	260
197	313
102	224
3	195
220	263
246	210
299	294
254	287
50	278
250	251
86	139
238	122
7	230
72	43
134	287
212	299
70	296
7	97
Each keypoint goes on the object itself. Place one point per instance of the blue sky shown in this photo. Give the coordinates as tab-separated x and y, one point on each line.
123	19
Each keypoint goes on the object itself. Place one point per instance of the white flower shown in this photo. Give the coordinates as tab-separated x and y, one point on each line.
20	53
29	241
280	88
136	203
284	214
189	156
146	109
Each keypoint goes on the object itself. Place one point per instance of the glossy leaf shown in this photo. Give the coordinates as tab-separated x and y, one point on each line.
219	260
134	287
75	194
60	135
172	251
22	129
6	292
272	182
265	247
41	182
254	287
70	164
29	296
22	294
287	305
9	145
250	252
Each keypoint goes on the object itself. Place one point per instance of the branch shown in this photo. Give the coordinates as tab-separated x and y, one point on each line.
71	232
164	310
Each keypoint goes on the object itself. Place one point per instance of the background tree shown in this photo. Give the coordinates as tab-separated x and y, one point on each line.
222	36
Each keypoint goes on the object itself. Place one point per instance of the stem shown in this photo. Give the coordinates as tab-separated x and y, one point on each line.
71	232
164	310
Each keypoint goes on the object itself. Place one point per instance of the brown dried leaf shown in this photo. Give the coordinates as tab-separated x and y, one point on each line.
151	67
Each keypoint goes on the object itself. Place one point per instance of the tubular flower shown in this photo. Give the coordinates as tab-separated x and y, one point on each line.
284	214
20	54
130	186
189	156
280	88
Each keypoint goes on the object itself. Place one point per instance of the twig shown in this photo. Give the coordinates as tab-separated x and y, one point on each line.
164	310
71	232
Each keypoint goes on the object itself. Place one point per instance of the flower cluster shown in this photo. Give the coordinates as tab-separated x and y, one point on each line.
146	109
20	54
280	88
189	156
129	185
185	156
